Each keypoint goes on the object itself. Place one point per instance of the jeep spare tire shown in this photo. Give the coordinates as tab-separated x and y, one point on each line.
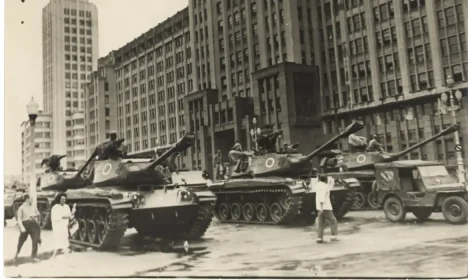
394	210
455	210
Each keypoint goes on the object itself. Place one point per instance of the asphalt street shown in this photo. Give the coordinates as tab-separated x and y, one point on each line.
369	246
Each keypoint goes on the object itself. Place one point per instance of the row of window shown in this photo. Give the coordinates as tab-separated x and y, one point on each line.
74	30
74	12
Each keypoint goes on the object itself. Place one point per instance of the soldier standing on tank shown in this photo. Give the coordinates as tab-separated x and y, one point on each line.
27	221
325	209
218	161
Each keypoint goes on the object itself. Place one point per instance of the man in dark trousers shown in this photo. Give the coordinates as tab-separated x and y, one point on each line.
324	208
27	221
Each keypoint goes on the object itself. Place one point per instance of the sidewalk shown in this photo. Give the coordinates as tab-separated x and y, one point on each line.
10	242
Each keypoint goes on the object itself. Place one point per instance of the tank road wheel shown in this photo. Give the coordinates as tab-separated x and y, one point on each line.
360	201
236	212
276	213
224	212
82	231
372	200
394	210
261	212
101	228
91	230
248	211
422	213
455	210
284	200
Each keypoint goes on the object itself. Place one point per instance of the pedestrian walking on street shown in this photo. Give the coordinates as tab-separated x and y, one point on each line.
27	221
324	208
61	216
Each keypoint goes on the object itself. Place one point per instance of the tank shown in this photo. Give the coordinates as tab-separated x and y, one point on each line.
54	181
266	187
128	192
360	165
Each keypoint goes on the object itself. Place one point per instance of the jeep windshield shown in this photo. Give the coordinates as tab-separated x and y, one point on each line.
434	176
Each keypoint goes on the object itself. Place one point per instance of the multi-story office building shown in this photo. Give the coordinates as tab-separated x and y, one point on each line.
153	74
70	51
42	146
100	104
252	59
386	63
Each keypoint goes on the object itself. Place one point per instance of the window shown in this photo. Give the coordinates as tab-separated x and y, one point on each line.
453	45
416	27
450	16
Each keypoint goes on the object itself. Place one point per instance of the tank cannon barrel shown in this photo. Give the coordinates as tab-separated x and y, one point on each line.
350	129
183	144
100	150
83	168
448	130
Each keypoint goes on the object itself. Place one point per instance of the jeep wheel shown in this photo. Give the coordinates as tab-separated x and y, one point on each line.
394	210
455	210
422	213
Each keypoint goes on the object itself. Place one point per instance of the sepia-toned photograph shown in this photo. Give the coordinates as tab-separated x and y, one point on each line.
235	138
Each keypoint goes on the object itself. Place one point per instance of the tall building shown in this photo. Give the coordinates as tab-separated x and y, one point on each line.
386	63
252	59
100	104
70	52
42	146
154	73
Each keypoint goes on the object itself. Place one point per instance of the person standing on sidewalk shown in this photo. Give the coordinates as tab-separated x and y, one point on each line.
324	208
27	221
61	216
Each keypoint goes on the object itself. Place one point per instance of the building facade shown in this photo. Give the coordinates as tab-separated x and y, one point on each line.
252	59
70	52
153	74
100	104
42	146
306	67
386	63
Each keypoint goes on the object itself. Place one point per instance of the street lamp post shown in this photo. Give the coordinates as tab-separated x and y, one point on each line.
255	131
449	100
33	110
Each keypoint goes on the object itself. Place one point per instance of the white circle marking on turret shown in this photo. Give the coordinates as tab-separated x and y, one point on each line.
270	162
51	178
361	158
107	169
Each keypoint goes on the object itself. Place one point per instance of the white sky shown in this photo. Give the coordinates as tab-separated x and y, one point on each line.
120	21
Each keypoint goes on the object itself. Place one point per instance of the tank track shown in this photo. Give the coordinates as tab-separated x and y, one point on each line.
288	214
201	223
117	223
343	206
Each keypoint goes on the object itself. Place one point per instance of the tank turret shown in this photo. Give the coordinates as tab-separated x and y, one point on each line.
112	168
282	164
366	160
56	179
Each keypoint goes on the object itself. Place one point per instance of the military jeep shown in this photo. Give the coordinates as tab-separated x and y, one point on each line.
421	187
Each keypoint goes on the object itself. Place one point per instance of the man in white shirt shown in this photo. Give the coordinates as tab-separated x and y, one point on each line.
324	208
